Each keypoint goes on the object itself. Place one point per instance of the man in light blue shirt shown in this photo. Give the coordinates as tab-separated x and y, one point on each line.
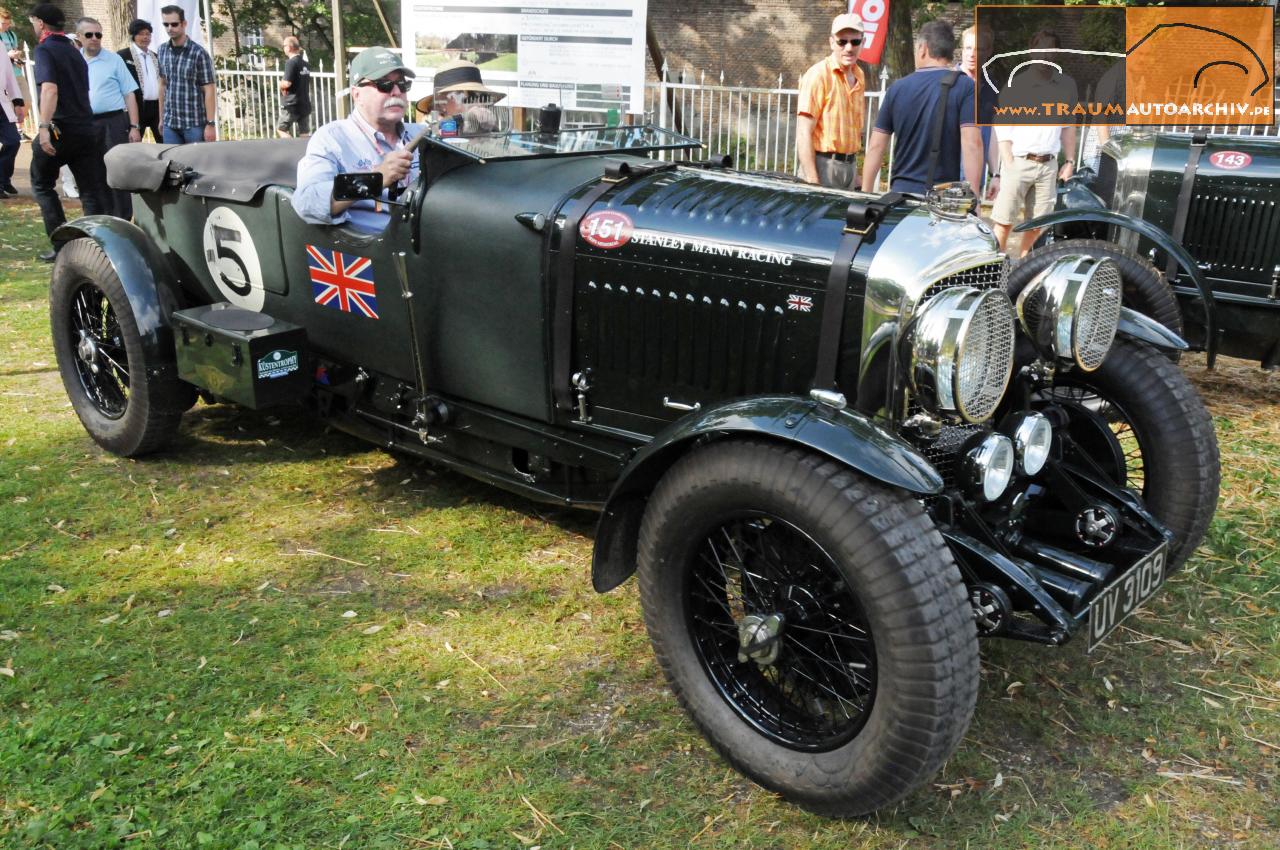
113	99
374	137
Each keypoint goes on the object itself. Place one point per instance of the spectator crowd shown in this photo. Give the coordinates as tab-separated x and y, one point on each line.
939	121
936	121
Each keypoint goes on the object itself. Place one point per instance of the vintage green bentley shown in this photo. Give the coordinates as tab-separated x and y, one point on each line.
1218	197
837	440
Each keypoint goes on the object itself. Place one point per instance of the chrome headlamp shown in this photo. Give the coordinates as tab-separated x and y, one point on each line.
962	352
988	466
1072	308
1032	439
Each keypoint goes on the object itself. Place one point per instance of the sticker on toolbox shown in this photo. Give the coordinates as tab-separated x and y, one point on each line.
232	259
277	364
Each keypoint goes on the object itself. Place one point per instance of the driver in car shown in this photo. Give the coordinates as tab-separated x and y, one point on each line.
374	137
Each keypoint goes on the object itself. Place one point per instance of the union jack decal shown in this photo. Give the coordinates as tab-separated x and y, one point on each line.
803	303
343	282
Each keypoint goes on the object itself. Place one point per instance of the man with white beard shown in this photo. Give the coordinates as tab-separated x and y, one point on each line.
374	137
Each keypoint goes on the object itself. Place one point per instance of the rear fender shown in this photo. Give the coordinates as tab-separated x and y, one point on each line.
845	436
152	293
1156	235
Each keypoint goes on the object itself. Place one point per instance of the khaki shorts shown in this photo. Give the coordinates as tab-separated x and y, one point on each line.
1025	184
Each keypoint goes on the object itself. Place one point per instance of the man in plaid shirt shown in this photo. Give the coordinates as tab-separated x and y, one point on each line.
187	94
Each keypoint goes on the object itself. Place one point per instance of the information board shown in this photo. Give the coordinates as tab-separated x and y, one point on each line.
578	54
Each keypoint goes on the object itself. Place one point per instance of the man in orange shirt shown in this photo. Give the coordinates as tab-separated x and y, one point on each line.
832	96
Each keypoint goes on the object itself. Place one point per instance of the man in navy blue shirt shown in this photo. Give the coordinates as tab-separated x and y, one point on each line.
67	135
910	112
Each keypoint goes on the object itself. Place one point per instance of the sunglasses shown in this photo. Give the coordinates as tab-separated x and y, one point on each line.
173	26
385	86
845	41
91	35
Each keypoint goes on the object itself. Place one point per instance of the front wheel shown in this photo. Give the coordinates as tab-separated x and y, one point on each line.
1140	419
128	406
812	623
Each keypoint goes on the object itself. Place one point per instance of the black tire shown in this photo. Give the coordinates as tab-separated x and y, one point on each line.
125	407
1158	437
889	574
1145	288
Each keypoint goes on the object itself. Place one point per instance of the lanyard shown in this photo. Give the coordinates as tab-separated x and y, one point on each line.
371	134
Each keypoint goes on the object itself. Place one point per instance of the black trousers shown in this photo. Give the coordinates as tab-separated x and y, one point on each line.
113	129
149	118
78	147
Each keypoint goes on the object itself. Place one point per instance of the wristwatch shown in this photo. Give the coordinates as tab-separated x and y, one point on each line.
45	125
134	127
211	123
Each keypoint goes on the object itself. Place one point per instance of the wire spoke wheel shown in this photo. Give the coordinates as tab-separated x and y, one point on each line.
1139	419
122	384
780	633
811	622
101	361
1128	468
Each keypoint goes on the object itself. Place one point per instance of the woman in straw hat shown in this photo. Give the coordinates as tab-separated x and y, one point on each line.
459	101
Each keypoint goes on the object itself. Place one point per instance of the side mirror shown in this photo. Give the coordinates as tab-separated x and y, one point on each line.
357	186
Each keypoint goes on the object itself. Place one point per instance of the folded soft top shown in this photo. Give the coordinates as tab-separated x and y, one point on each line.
234	171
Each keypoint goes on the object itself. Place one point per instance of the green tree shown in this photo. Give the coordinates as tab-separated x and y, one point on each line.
311	21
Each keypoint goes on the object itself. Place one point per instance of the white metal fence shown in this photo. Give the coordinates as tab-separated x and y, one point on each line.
754	125
249	100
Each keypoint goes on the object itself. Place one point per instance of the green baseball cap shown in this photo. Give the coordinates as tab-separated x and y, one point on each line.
374	63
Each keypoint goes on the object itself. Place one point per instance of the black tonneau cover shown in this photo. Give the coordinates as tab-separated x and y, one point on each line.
232	171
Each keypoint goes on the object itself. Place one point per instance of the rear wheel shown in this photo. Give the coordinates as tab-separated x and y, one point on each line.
812	623
128	406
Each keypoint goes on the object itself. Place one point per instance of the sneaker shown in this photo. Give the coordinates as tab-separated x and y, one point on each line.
47	256
9	189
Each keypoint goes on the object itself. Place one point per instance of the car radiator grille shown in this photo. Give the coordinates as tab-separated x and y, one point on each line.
986	276
943	452
1233	233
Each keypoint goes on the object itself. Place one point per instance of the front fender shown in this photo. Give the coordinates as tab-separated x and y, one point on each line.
845	436
153	295
1156	235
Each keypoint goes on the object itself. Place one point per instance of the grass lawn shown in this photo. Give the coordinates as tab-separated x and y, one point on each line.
275	636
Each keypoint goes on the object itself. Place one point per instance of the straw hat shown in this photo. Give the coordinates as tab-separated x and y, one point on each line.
459	75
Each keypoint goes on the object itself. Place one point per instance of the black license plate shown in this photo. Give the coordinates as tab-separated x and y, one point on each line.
1124	595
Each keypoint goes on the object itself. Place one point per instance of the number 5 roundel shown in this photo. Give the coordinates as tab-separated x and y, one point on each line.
606	229
232	259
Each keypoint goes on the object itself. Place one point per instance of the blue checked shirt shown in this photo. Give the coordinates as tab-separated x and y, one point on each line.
184	70
341	147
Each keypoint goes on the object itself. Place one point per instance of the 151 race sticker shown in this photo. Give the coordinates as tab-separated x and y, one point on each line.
606	229
232	259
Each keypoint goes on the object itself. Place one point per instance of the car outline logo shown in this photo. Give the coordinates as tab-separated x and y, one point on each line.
1266	76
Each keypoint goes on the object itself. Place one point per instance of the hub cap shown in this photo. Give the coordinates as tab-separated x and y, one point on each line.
780	633
1097	526
100	360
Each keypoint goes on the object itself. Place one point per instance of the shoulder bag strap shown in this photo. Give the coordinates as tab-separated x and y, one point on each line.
939	123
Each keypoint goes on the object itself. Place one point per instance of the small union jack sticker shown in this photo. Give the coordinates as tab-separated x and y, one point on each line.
343	282
803	303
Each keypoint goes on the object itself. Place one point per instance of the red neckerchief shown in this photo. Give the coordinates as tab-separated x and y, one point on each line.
48	33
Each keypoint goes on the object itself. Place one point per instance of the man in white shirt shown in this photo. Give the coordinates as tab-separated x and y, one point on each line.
142	63
1029	169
